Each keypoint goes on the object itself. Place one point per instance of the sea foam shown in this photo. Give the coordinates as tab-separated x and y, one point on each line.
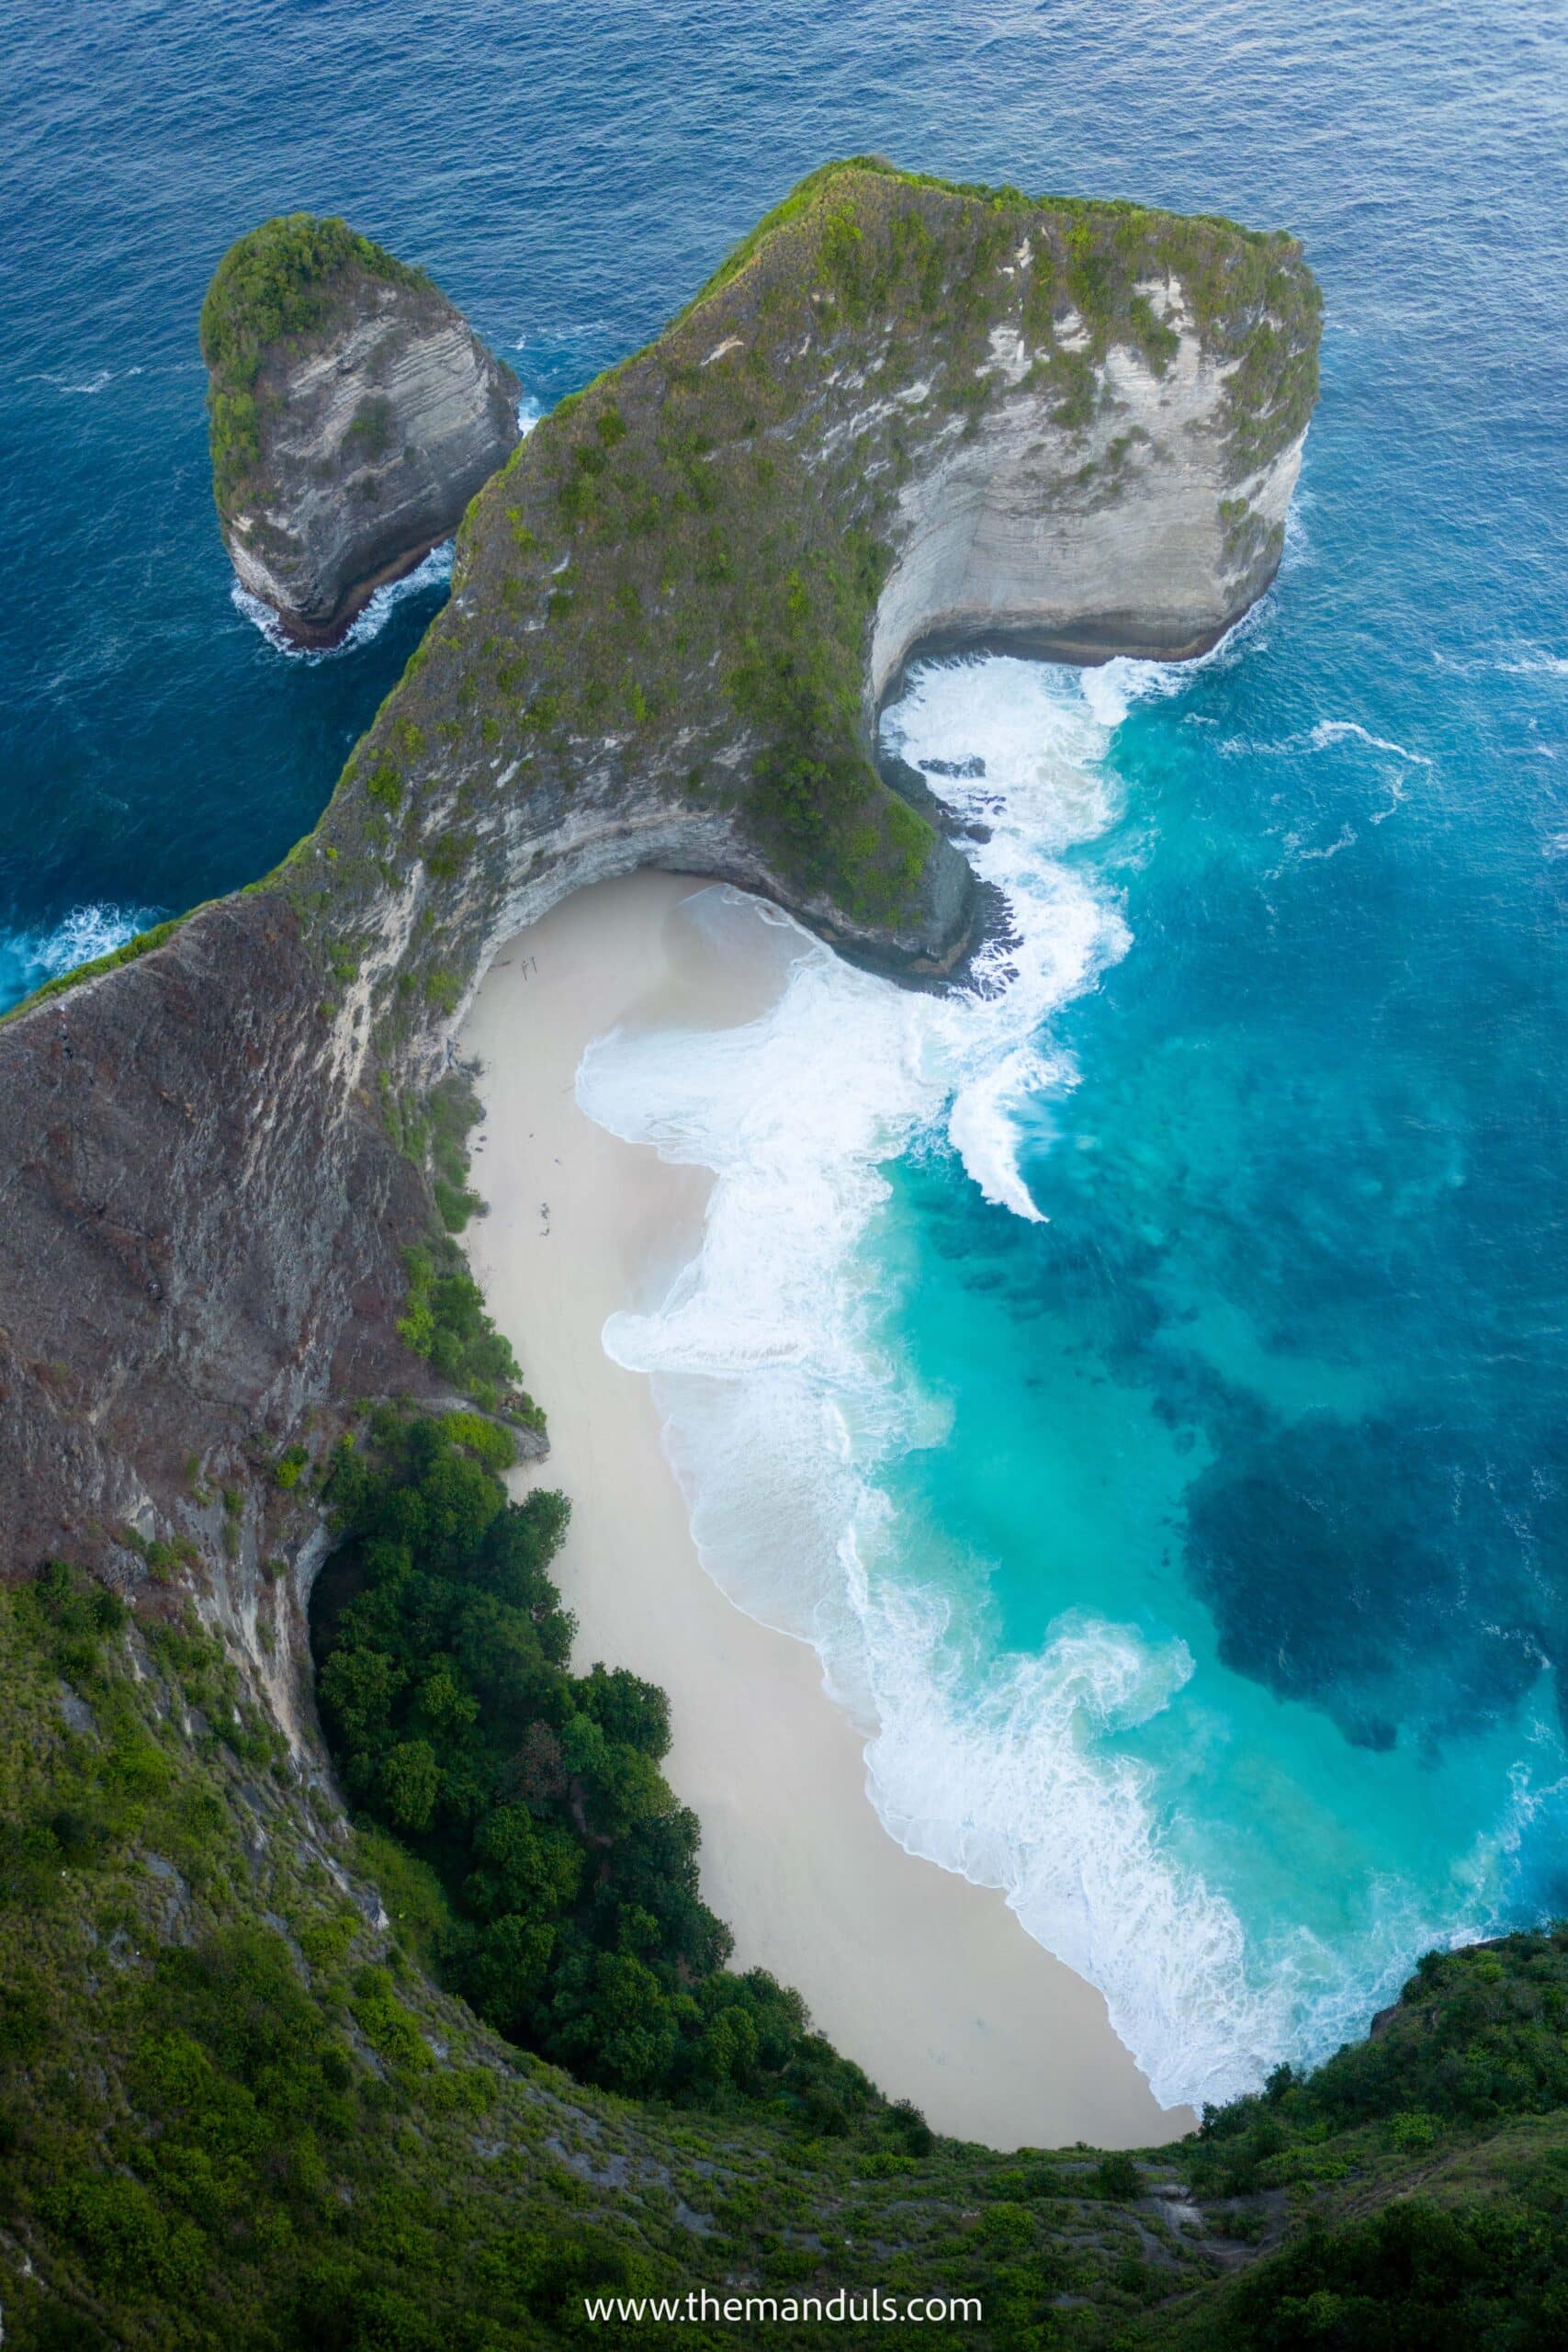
367	625
29	959
784	1410
780	1405
435	572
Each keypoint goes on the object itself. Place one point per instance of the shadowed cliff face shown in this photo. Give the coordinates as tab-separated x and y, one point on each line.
369	415
900	413
200	1233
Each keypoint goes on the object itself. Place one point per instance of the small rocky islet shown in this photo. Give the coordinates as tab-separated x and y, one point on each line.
354	414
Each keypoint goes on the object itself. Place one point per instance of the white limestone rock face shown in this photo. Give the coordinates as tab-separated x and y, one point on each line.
375	434
1126	533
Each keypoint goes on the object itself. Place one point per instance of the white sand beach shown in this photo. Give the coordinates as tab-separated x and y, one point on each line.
928	1981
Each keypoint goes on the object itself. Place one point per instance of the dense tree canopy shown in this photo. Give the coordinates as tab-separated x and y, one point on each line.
572	1919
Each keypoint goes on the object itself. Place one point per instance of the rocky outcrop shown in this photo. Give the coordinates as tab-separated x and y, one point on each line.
907	418
1125	531
901	413
201	1235
368	412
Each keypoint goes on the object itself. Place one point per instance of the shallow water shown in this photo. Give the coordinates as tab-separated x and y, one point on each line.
1123	1358
1156	1400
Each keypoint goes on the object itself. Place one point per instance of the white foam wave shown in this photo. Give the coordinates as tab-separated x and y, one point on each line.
29	959
782	1411
368	624
1004	1776
1298	548
91	386
1523	659
1328	731
1345	839
1548	665
434	572
780	1408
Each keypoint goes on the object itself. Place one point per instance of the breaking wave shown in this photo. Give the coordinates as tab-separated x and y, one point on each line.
29	959
786	1413
779	1406
434	572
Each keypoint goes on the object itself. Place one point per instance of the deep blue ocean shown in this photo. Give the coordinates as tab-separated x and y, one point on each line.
1166	1409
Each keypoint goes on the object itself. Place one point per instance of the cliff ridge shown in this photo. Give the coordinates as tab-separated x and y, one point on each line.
233	2105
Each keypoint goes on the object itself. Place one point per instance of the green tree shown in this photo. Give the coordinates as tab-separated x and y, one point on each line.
410	1780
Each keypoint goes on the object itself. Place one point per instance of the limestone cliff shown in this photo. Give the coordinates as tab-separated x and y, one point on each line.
904	414
353	414
901	412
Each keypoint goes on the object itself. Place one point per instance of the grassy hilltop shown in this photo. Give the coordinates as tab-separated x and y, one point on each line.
680	567
280	283
664	603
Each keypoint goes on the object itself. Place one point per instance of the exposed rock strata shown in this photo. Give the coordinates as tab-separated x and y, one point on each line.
673	617
1128	533
373	429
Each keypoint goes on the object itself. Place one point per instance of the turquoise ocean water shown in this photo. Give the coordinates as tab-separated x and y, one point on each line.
1146	1377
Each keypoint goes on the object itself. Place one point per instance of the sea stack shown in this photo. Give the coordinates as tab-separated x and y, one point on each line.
354	414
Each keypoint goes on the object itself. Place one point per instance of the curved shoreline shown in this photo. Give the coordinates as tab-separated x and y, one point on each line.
927	1981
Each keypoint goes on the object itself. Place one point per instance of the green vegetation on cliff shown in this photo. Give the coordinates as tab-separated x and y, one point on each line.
272	2080
233	2109
1100	256
665	601
445	1319
1425	2170
721	493
279	283
128	952
573	1923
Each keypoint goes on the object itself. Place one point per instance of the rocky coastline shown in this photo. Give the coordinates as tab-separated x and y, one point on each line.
902	413
244	2101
